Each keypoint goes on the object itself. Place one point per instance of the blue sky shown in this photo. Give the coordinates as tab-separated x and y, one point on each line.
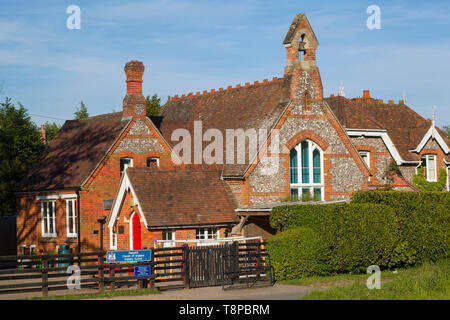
190	46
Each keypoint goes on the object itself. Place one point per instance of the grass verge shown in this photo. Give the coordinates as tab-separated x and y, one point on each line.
109	294
430	281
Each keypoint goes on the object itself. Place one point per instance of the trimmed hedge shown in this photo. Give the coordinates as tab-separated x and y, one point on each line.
424	222
356	235
298	253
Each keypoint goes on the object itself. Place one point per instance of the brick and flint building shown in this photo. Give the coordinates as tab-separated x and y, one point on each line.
126	167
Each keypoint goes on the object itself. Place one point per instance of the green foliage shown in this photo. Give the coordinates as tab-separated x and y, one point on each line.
51	130
424	185
298	253
430	281
356	235
153	105
423	220
447	129
81	112
20	146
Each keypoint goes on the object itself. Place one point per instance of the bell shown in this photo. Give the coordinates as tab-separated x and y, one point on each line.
301	45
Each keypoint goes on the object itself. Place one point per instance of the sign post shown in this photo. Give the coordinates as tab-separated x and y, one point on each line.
132	256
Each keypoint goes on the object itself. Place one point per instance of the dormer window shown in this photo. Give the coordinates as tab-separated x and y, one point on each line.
429	163
125	163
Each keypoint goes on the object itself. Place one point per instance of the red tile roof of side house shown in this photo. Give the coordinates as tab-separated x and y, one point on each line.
182	196
404	126
74	153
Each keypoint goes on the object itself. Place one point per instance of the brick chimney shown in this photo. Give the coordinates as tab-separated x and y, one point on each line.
134	102
366	94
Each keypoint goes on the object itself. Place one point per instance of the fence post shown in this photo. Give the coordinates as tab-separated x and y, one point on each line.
186	281
44	271
258	255
100	273
112	274
152	268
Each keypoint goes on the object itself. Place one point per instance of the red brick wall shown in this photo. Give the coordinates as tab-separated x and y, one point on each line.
29	221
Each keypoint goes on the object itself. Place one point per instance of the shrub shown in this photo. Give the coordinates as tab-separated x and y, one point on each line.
424	222
356	235
424	185
297	253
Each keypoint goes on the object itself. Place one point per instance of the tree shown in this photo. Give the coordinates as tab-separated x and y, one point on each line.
81	112
20	147
447	129
153	105
51	129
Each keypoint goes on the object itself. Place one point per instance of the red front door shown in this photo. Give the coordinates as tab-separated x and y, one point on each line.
136	232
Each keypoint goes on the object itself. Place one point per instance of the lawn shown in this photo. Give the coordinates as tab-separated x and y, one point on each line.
109	294
430	281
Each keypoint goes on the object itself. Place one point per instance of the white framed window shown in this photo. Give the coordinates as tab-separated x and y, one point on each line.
152	162
168	235
48	218
71	217
429	163
306	172
206	233
125	163
113	237
365	155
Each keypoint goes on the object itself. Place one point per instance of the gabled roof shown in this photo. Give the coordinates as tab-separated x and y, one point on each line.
404	126
178	197
256	106
71	157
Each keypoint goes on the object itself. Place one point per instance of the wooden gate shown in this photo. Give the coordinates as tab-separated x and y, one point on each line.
227	265
207	265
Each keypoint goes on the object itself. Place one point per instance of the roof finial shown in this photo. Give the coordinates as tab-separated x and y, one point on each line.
341	90
433	122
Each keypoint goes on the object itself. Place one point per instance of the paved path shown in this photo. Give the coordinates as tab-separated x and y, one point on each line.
276	292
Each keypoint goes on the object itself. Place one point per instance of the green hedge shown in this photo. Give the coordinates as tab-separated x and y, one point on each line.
424	222
356	235
298	253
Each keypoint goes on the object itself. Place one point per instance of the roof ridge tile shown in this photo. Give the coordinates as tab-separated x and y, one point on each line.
213	91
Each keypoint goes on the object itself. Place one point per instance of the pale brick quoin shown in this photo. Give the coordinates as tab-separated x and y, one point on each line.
120	165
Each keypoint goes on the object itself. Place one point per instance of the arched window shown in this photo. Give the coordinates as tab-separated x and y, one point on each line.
306	172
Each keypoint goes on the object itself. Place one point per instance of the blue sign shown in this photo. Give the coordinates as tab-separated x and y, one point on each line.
129	256
142	271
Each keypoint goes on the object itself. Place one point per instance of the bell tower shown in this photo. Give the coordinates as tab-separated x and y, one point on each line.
301	65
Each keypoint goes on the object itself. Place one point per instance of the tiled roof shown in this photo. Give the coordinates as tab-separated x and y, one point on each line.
404	126
182	197
252	106
74	153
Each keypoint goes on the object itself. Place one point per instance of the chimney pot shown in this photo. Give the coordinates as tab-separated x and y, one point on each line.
366	94
391	102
